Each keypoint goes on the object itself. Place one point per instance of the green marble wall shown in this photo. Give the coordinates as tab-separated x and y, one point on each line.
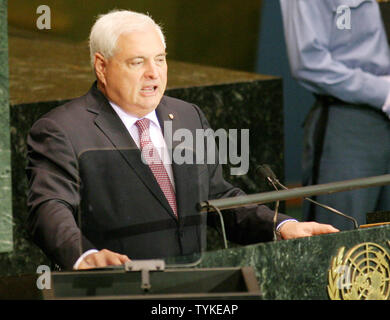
5	161
256	105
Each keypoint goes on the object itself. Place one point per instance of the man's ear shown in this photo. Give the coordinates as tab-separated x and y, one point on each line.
100	68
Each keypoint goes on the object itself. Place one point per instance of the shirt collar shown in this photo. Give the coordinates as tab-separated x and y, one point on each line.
130	119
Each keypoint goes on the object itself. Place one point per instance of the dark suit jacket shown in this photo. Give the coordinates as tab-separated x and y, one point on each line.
85	169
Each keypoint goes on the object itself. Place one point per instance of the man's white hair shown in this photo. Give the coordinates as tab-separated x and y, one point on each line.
108	27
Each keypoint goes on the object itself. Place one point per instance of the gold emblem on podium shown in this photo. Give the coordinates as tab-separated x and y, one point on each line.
363	273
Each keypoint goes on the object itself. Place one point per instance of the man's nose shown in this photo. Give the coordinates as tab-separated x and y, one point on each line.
151	70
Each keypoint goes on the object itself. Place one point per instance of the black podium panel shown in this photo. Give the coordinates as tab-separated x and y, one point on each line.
213	283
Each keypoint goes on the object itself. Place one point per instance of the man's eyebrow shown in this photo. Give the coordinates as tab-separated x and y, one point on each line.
135	57
162	54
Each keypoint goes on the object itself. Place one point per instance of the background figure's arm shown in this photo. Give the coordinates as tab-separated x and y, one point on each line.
309	26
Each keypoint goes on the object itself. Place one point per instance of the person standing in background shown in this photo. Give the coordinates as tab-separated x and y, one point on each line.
339	51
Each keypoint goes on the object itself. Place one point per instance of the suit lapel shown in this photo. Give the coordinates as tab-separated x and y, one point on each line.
170	122
110	124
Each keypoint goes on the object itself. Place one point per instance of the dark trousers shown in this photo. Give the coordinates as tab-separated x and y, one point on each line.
343	142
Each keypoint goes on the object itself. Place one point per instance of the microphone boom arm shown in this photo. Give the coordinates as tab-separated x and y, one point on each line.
301	192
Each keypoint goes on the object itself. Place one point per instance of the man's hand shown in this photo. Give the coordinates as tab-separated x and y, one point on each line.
294	229
101	259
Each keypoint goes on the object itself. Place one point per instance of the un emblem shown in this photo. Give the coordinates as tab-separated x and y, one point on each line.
363	273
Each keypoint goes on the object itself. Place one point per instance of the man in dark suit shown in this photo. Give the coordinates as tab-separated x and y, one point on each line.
98	160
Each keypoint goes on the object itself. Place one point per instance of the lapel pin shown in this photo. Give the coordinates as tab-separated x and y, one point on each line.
171	116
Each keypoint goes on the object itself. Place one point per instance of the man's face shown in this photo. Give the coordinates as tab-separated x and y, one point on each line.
135	77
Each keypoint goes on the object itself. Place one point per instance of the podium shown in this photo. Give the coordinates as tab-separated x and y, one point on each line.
347	265
305	268
332	266
117	283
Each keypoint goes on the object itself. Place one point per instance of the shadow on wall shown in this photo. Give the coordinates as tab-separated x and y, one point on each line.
190	26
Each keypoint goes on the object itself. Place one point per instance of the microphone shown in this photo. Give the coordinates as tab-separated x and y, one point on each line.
270	176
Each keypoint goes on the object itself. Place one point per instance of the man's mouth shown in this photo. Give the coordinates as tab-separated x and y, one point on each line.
149	89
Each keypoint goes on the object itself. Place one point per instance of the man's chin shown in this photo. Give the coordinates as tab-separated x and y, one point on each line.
145	108
150	103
